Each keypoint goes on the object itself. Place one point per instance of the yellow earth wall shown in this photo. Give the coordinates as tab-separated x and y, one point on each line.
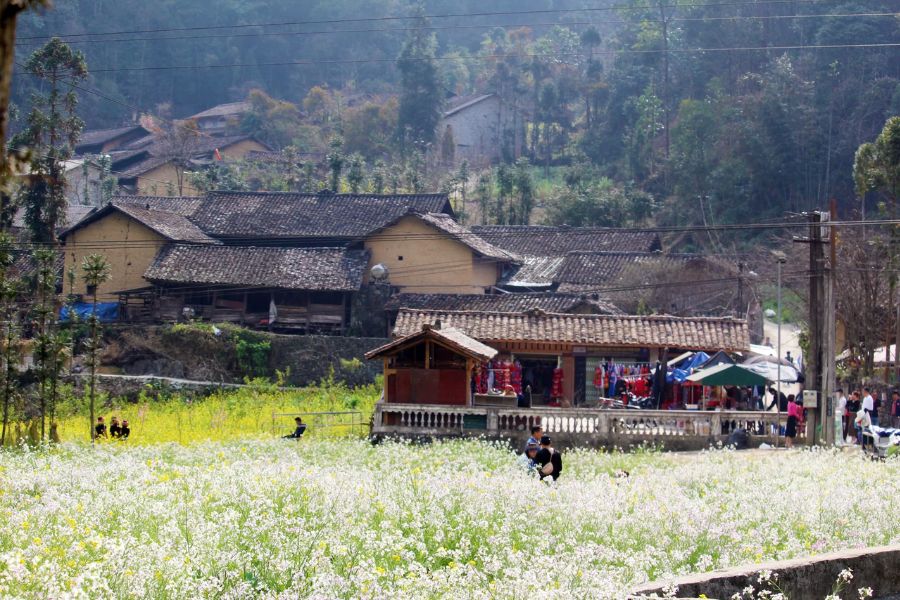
431	263
129	247
155	182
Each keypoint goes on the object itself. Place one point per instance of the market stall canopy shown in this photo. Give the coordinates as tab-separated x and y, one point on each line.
719	358
727	375
770	371
767	366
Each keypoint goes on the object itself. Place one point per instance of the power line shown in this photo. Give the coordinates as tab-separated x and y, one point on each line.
435	16
491	57
460	27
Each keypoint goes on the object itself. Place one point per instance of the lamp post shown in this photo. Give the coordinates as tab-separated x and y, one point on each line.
780	258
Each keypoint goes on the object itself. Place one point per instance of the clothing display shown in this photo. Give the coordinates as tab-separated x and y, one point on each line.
556	390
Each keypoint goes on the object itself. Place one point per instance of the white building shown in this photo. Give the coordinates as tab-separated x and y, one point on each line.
485	128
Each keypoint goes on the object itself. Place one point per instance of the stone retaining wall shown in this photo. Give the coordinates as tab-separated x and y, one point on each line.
801	579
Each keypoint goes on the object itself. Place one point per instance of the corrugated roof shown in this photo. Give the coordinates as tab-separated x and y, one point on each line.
459	103
452	338
322	216
535	272
590	330
549	302
322	269
544	240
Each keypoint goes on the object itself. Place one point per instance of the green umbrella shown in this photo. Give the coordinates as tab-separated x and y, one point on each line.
725	374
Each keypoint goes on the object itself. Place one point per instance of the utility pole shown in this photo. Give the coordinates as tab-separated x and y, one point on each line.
829	350
815	360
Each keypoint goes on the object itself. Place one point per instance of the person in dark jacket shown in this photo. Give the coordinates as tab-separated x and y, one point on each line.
115	430
549	460
299	431
778	399
125	431
100	428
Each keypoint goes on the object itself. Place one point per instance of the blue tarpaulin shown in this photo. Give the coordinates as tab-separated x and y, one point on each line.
687	367
107	312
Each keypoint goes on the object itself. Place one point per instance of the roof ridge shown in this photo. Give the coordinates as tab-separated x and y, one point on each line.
574	315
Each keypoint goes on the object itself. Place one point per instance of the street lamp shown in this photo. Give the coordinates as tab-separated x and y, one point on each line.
780	258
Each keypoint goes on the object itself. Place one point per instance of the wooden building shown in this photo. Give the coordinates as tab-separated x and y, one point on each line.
431	366
301	289
577	343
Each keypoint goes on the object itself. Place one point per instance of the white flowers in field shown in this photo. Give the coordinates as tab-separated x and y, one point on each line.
345	519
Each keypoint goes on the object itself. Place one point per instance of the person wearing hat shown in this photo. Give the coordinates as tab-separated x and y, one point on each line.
549	460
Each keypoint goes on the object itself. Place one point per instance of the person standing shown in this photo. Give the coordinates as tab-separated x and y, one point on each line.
863	421
853	407
840	414
526	459
895	408
795	417
868	405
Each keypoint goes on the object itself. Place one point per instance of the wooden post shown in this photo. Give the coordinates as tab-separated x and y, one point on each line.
470	400
384	383
427	354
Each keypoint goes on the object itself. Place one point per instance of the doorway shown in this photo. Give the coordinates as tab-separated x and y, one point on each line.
537	372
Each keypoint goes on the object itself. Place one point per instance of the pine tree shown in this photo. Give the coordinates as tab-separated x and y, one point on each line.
335	160
51	134
420	96
356	175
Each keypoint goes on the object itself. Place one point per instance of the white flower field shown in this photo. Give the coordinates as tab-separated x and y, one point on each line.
345	519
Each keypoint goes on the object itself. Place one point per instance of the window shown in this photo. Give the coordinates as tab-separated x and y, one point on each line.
399	258
91	290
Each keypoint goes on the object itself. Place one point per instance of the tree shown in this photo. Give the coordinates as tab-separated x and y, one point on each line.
505	185
46	340
9	13
483	193
178	143
10	348
51	133
525	187
335	159
420	92
356	174
877	165
448	147
96	272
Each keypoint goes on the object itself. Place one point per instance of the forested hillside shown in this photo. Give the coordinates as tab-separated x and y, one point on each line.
695	112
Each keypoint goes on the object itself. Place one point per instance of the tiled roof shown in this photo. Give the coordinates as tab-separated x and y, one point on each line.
704	333
446	224
321	216
182	205
74	213
142	166
548	302
170	225
93	137
324	269
581	271
223	110
452	338
543	240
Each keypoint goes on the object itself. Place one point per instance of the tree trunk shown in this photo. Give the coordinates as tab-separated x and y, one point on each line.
9	10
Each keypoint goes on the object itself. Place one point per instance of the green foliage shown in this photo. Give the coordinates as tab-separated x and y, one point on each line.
52	129
592	201
253	356
420	97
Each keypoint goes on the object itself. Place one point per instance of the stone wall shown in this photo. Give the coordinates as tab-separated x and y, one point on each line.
801	579
201	353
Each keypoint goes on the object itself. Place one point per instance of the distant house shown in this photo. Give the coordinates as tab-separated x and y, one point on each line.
483	127
543	249
147	167
102	141
82	180
221	118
